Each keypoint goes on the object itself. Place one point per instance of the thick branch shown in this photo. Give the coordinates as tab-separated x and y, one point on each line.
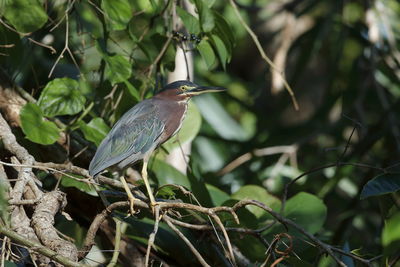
43	221
39	248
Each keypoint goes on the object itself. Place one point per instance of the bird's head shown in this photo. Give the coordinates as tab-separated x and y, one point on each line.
181	90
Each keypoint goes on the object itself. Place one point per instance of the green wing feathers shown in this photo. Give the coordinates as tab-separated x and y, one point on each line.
134	134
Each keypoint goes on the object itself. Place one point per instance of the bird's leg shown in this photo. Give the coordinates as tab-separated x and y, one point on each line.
146	182
131	198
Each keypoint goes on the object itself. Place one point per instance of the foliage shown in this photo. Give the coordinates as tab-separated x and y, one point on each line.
340	57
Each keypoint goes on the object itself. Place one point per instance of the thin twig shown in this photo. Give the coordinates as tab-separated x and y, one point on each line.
116	252
187	242
159	56
66	47
152	237
263	55
53	51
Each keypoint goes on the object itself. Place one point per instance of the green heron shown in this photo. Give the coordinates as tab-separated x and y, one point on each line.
142	129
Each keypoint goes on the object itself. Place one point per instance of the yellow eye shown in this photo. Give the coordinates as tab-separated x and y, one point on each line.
183	88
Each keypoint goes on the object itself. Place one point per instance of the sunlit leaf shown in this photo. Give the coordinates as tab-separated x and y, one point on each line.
118	13
61	97
25	15
36	127
207	53
381	184
391	231
118	69
95	131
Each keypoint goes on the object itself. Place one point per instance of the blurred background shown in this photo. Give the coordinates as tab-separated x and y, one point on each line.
340	58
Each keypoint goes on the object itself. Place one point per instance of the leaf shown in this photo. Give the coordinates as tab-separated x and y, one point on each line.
191	22
207	53
224	31
9	264
380	185
258	193
206	16
166	174
190	128
25	15
221	49
118	13
118	69
217	195
95	131
391	231
132	90
61	97
82	186
215	114
307	211
35	127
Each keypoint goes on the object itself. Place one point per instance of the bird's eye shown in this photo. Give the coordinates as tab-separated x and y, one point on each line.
183	88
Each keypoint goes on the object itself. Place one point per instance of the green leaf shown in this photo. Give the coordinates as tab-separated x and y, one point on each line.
191	22
221	49
95	131
82	186
61	97
381	184
25	15
132	90
190	128
35	127
118	13
258	193
118	69
219	119
206	16
217	195
166	174
307	211
9	264
391	231
224	31
207	53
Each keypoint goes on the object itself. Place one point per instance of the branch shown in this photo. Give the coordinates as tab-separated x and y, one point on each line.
39	248
263	55
43	224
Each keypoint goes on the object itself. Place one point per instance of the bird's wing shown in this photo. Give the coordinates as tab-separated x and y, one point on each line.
135	133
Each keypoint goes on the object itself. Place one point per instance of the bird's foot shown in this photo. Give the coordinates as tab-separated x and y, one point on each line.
132	210
153	205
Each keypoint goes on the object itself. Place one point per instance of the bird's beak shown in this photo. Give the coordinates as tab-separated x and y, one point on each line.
204	89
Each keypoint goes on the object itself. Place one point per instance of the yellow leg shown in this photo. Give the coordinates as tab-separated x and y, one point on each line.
146	182
131	198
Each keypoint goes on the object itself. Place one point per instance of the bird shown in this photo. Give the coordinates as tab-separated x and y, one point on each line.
142	129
